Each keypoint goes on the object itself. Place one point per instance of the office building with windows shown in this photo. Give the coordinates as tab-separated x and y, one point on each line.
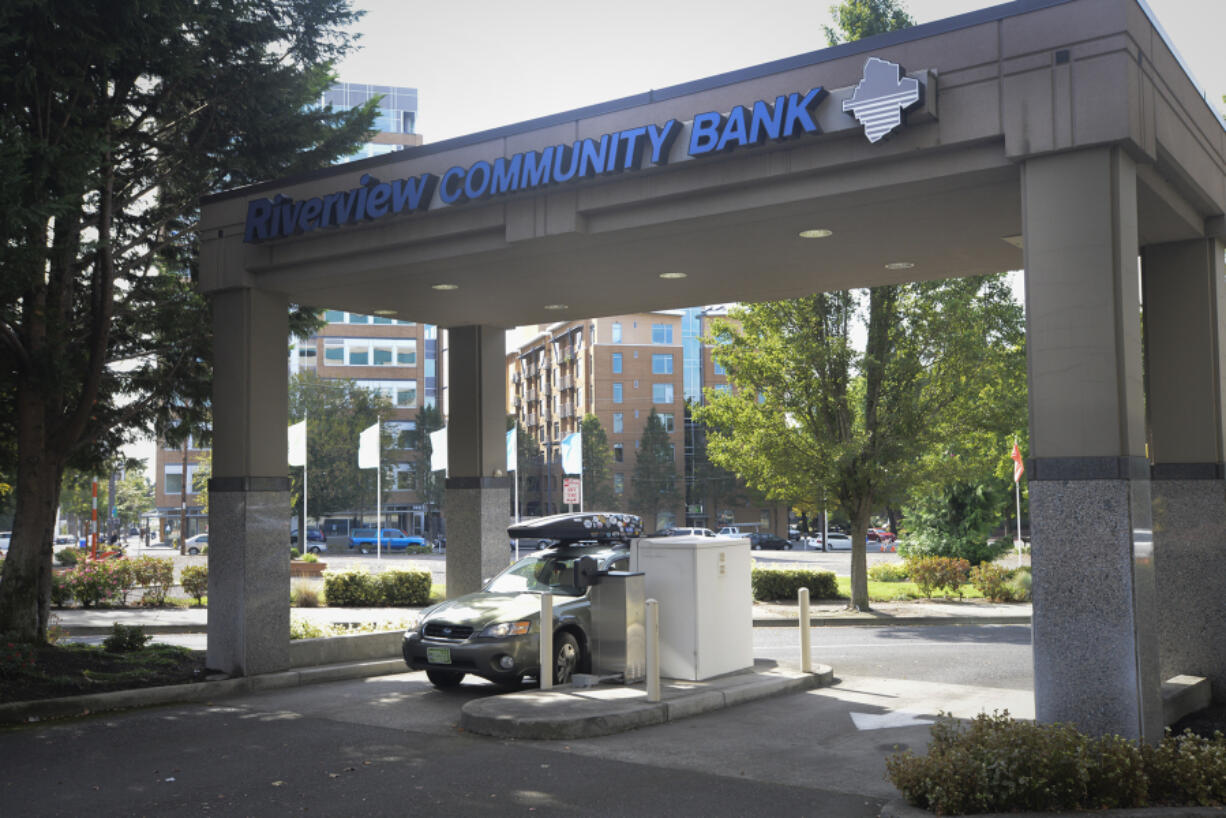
396	124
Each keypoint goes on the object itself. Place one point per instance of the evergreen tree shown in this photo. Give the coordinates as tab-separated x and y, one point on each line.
597	471
657	485
115	119
430	484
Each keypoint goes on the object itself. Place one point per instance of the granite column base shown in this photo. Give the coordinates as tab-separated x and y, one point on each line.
1095	611
1190	558
476	511
248	581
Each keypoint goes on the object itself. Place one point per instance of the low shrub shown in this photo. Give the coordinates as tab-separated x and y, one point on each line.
16	658
1019	585
418	549
156	575
125	639
305	595
195	581
295	554
888	572
68	556
96	582
352	588
770	584
309	558
61	590
304	629
938	573
409	589
992	581
996	764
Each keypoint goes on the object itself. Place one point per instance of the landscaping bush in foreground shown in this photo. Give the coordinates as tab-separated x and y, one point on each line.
770	584
938	573
195	581
997	764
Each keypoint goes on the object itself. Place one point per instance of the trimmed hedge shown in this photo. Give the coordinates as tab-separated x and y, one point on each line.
770	584
360	588
996	764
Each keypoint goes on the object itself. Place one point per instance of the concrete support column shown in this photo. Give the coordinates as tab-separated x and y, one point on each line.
1185	319
249	509
1095	650
478	500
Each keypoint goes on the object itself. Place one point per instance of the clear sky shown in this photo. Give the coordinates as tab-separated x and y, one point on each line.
479	64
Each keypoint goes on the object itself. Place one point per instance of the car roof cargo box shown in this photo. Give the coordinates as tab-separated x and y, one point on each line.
601	526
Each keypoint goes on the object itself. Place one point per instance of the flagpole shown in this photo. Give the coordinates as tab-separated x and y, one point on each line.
379	488
304	540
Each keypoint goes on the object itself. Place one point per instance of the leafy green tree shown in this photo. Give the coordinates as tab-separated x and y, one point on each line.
811	413
336	411
115	119
430	484
955	520
857	19
657	485
711	485
597	470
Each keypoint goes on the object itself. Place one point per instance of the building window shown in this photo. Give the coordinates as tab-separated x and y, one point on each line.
617	393
662	364
617	332
406	396
358	355
717	367
661	393
334	352
406	354
618	423
619	453
666	418
619	483
382	319
404	477
617	363
382	356
661	333
334	316
173	478
355	318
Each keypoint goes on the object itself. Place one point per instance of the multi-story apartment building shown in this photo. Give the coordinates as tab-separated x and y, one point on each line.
620	368
396	124
176	497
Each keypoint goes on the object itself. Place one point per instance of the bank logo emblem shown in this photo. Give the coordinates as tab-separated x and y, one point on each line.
881	98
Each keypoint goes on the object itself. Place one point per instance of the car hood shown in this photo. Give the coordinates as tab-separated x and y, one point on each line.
481	608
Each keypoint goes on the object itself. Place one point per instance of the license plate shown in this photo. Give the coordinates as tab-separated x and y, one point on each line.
438	656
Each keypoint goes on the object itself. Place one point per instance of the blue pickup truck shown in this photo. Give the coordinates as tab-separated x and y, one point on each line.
363	540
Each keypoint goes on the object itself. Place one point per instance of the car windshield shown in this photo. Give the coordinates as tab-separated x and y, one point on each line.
538	573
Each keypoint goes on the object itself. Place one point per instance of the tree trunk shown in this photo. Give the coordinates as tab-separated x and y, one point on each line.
25	594
859	560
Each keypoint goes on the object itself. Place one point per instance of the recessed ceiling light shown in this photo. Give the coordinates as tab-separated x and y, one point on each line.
445	286
385	312
672	275
556	307
899	265
816	233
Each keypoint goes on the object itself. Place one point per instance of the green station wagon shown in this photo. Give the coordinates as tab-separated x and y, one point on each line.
495	632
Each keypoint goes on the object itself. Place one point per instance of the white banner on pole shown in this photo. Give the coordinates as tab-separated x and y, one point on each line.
438	446
512	448
572	453
368	448
297	444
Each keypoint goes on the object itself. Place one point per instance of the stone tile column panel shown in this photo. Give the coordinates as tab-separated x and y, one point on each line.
1095	650
477	506
249	507
1184	313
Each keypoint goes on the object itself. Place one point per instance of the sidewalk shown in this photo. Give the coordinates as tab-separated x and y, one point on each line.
85	621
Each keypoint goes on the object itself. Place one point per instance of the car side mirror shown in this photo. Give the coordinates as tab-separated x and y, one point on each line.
586	571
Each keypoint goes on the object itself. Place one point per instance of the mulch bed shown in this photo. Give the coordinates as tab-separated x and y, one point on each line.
75	669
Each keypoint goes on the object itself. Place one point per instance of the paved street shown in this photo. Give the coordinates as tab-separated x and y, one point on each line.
390	744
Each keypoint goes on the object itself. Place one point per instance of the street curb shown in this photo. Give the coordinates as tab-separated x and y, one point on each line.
901	809
75	706
901	621
551	714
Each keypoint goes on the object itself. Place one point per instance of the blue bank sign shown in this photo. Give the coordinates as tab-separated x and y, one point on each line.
786	117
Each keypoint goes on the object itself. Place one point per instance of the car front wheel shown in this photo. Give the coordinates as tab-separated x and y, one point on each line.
565	657
193	550
314	549
787	547
363	549
444	679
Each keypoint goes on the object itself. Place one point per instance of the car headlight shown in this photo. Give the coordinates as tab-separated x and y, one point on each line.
506	629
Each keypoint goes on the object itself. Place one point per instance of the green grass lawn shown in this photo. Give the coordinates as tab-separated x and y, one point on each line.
892	591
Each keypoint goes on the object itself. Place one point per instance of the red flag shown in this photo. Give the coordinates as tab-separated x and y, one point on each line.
1018	468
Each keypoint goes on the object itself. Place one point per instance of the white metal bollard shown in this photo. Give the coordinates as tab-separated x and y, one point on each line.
546	641
806	658
653	650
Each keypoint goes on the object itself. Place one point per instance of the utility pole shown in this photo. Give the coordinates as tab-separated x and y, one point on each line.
183	504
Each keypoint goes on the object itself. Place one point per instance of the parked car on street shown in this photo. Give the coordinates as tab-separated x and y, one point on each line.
367	540
197	543
316	541
683	532
880	535
759	541
495	632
